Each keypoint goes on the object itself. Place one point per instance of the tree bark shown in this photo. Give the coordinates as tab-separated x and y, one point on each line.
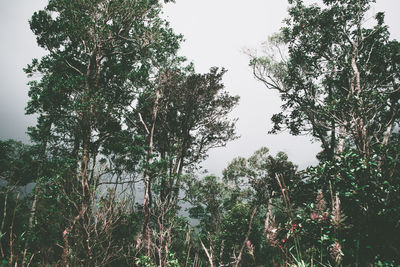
208	253
37	190
147	180
239	258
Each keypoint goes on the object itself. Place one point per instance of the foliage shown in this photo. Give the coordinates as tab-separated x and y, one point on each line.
18	163
368	190
118	109
338	81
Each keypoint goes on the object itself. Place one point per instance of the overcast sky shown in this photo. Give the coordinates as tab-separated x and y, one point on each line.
216	32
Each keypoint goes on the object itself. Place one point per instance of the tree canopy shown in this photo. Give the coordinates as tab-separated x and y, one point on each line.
124	123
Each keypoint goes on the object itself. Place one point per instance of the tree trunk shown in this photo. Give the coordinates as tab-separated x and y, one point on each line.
147	179
239	258
37	190
208	253
341	138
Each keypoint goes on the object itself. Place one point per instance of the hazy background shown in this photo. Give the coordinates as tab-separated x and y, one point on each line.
216	32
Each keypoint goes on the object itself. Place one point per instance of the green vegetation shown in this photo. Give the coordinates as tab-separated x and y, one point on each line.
117	108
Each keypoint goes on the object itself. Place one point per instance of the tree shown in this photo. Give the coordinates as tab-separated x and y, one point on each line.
368	188
100	52
231	210
183	115
18	163
338	80
18	168
192	119
207	197
259	172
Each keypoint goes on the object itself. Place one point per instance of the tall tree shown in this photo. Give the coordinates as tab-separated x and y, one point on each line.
100	52
183	116
338	79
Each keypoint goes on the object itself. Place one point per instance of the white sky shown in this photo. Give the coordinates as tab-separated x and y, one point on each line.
215	31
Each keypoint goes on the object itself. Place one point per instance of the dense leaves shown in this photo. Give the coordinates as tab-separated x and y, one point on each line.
124	123
18	163
339	82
